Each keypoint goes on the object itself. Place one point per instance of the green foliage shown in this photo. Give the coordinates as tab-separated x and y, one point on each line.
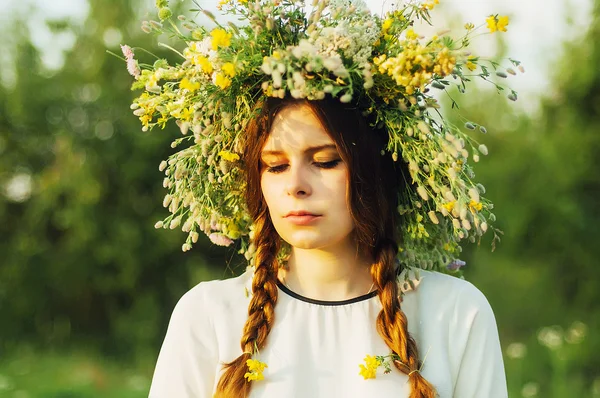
82	264
27	373
542	176
81	261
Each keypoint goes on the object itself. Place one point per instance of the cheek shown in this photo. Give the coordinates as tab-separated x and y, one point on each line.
268	187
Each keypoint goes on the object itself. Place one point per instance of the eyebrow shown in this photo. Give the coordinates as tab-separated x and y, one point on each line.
311	149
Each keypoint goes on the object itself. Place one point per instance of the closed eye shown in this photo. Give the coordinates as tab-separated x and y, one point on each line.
322	165
328	165
276	169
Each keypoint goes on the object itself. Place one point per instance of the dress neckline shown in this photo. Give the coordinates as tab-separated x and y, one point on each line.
297	296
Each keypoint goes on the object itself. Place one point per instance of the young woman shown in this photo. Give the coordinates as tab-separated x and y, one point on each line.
329	319
312	140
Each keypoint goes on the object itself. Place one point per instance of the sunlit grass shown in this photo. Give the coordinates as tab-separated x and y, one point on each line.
53	375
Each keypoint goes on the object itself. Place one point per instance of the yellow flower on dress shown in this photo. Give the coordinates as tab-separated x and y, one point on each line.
370	370
220	38
255	370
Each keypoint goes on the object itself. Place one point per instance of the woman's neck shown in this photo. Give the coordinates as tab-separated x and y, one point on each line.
330	274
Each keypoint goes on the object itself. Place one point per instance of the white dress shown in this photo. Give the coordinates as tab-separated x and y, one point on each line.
315	347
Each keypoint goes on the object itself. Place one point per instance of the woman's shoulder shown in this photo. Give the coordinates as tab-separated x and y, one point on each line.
217	294
447	292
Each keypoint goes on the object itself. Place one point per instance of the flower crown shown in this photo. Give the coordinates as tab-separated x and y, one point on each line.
340	50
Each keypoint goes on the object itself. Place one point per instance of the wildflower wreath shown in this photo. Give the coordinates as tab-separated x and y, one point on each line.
340	50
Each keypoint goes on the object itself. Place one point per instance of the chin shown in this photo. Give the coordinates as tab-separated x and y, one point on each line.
308	241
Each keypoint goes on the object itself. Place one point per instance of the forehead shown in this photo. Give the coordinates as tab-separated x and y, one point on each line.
296	127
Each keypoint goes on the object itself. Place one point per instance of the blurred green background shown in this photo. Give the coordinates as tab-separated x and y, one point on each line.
87	284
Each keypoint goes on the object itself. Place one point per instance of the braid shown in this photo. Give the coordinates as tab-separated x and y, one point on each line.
392	324
261	311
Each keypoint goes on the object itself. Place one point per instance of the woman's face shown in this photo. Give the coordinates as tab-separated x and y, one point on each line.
305	181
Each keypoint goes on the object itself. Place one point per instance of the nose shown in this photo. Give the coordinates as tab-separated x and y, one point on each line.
298	184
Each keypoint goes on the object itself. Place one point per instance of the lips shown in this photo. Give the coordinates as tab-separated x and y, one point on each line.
300	213
302	217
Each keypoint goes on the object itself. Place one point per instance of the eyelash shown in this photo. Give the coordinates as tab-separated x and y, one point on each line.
322	165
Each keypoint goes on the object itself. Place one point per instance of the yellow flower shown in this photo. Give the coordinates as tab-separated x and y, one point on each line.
204	63
255	370
469	26
430	4
229	156
449	206
145	119
186	84
229	69
276	55
411	35
386	25
162	121
475	206
223	3
222	81
220	38
502	22
187	114
470	65
491	23
370	370
495	24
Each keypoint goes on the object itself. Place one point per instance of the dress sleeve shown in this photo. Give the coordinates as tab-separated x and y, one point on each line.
481	368
187	361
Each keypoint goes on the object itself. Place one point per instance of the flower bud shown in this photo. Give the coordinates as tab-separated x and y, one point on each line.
433	217
422	192
164	13
159	224
162	166
483	149
175	222
346	98
474	194
455	223
466	224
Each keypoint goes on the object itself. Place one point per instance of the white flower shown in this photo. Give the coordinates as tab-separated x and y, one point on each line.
304	48
277	82
332	63
266	67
